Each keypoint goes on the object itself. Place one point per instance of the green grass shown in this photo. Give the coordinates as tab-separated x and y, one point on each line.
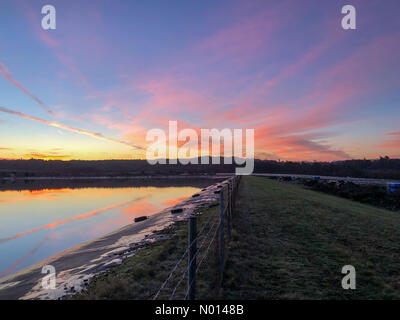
291	243
287	243
140	276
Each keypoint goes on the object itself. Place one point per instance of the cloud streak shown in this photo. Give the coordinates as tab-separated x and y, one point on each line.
65	127
393	143
10	78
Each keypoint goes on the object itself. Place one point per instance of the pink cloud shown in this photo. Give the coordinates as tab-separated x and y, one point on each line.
65	127
291	127
393	143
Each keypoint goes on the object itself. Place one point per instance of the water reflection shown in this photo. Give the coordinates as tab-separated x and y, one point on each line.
36	224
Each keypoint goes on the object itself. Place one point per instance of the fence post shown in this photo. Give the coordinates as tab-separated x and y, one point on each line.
233	193
232	196
229	204
192	257
221	234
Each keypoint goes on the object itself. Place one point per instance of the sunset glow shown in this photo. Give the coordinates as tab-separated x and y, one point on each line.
112	70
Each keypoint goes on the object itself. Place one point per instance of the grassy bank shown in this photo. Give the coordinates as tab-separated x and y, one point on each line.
287	243
141	276
292	243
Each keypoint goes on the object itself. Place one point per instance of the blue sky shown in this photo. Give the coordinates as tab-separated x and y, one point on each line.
115	69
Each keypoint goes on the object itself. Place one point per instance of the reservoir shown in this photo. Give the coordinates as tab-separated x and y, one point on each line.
41	219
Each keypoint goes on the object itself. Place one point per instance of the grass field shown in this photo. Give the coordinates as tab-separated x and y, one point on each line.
141	276
287	243
292	243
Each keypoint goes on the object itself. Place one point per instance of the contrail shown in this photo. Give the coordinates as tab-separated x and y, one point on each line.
10	78
65	127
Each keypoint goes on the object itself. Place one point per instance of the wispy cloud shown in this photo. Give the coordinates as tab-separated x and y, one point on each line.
47	156
392	143
10	78
65	127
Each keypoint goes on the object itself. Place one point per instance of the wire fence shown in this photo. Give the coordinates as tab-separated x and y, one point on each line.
206	236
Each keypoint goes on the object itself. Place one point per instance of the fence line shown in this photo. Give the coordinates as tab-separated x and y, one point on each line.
190	261
226	210
180	260
202	259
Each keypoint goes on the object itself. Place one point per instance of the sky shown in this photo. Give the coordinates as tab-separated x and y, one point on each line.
112	70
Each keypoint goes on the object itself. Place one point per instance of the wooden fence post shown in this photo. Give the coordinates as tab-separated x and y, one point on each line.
221	235
229	205
192	257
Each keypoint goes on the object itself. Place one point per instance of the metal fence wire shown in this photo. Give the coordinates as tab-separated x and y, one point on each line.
181	280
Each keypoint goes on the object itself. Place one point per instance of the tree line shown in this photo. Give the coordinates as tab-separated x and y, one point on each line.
382	168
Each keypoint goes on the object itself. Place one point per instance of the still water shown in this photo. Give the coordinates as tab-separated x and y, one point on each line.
36	224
